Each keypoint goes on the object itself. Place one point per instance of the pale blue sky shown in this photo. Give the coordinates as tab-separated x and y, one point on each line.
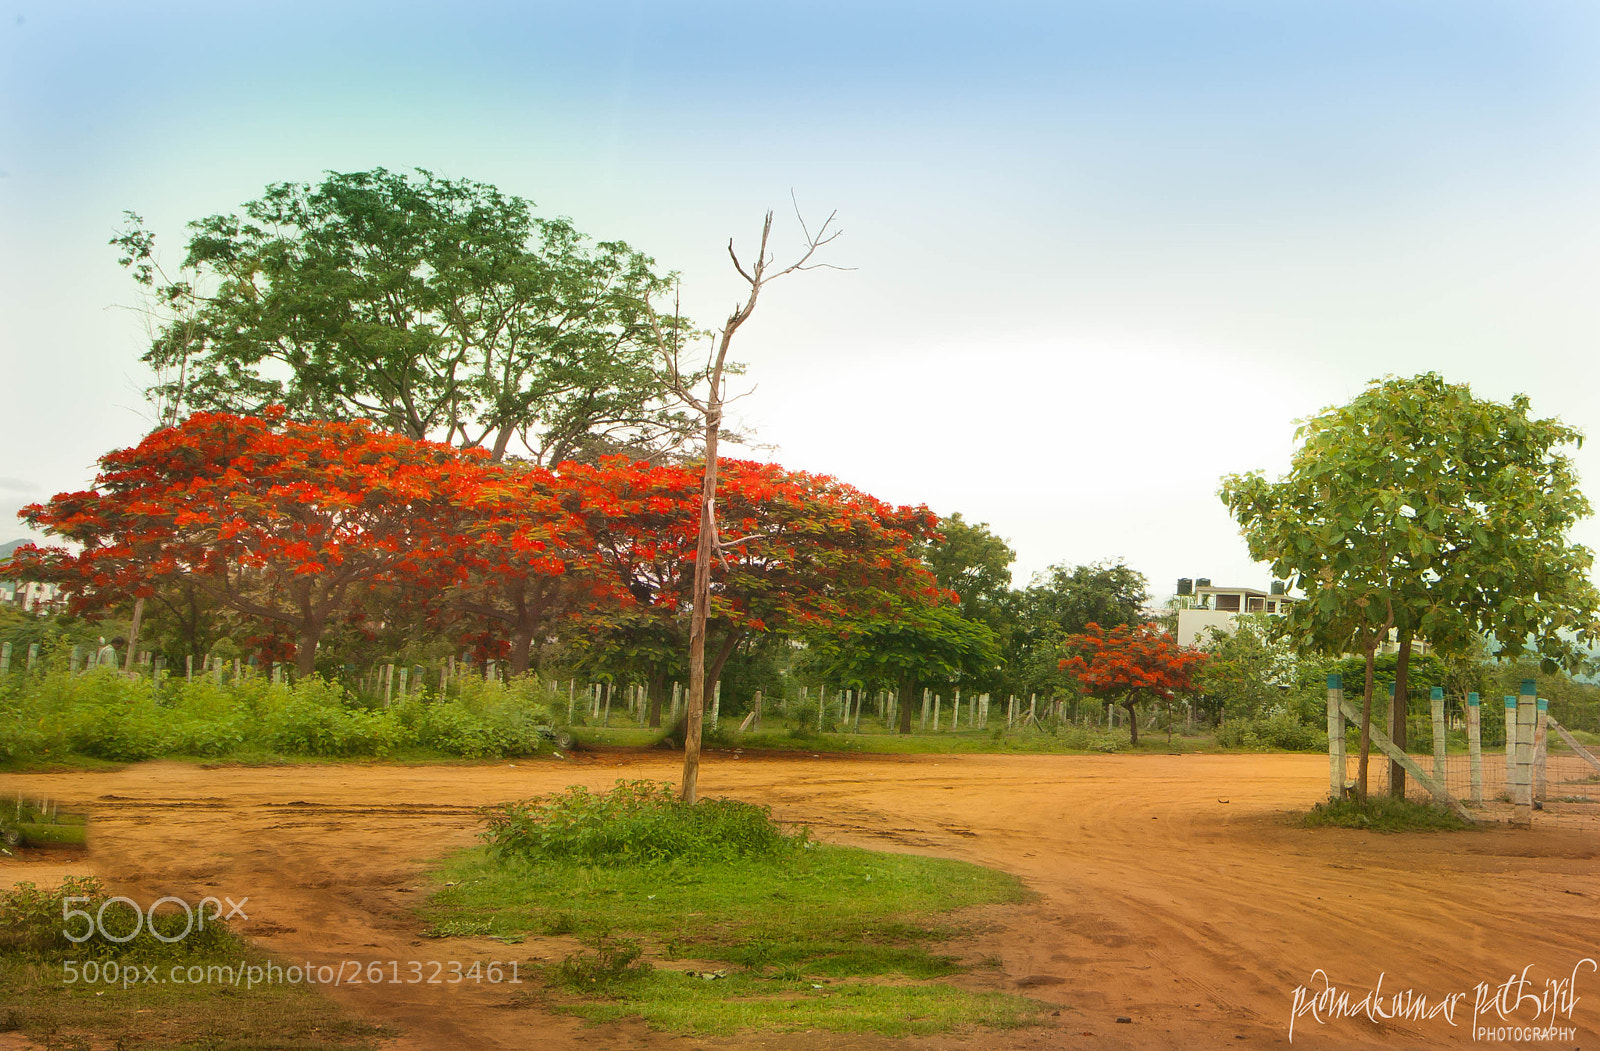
1105	253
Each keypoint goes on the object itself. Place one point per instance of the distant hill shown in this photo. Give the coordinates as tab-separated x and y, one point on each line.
7	548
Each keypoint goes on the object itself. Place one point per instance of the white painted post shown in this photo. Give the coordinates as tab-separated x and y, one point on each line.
5	657
822	706
955	712
1336	763
855	721
188	668
405	682
605	719
238	669
388	684
1511	747
938	699
1475	745
1033	700
927	703
1011	710
1541	745
984	717
757	723
1527	718
716	704
1436	702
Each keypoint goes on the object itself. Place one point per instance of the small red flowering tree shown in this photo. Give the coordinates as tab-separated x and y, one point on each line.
284	522
1129	664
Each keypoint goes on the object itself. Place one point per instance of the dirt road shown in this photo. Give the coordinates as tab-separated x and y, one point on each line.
1172	889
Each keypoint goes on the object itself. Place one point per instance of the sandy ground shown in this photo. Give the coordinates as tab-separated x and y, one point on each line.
1173	890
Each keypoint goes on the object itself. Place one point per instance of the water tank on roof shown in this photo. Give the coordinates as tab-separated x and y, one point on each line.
1277	587
1203	582
1185	586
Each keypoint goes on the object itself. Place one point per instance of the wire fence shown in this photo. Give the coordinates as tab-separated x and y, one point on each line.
1562	775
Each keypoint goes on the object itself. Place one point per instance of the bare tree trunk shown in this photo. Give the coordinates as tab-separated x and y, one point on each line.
1399	715
1133	724
702	594
711	409
305	649
1366	727
133	636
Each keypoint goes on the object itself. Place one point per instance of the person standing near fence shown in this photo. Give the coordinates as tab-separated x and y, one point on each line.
107	657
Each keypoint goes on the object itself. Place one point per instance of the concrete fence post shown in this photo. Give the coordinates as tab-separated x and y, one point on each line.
1336	763
5	657
1541	744
927	703
1511	746
1475	745
716	704
1527	719
33	655
938	699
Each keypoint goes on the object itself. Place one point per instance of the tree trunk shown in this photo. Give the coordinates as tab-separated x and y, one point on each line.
908	689
133	635
1399	715
658	691
521	644
305	649
1366	726
695	705
1133	723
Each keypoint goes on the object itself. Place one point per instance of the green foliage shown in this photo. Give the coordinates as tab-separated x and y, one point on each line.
1278	731
33	923
1420	507
637	822
613	961
106	715
428	305
1385	814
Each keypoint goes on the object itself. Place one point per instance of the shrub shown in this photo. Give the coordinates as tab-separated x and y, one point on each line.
635	822
1280	730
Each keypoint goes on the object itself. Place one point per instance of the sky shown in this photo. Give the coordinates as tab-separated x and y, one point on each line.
1100	255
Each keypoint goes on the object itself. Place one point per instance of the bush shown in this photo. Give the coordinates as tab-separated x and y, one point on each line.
1278	731
636	822
33	922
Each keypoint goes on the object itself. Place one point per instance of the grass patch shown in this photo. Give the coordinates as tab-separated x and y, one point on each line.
1385	814
794	934
133	999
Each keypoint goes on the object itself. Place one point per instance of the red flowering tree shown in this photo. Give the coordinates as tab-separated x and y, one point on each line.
519	554
1129	664
284	522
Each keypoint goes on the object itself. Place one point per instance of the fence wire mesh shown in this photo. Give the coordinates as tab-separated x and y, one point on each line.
1568	794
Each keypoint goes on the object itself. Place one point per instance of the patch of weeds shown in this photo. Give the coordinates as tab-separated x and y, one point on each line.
614	961
1384	814
460	929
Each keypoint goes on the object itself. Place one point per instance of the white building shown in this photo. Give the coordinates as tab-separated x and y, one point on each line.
1213	607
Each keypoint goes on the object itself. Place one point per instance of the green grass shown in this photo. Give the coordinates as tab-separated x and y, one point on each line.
150	1010
1383	814
805	936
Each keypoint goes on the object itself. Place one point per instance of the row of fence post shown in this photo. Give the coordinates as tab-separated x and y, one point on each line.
1527	745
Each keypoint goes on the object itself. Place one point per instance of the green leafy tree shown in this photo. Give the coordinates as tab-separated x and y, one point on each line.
1064	601
438	308
1421	509
915	646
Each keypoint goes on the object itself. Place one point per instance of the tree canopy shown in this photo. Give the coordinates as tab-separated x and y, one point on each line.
438	308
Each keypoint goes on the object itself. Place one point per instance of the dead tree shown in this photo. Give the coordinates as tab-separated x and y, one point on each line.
709	407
